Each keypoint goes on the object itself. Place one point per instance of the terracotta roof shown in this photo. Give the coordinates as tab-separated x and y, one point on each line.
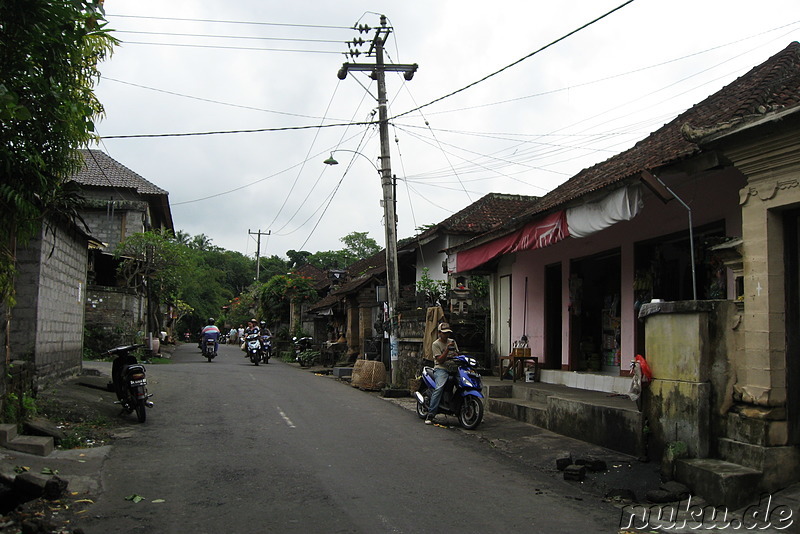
103	171
317	275
769	87
360	273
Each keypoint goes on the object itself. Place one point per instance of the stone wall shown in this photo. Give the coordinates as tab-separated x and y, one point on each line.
689	347
117	312
411	330
47	322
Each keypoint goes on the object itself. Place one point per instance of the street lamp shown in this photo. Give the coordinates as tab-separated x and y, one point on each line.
332	161
390	226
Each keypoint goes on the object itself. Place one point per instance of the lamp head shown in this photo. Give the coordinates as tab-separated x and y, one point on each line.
330	161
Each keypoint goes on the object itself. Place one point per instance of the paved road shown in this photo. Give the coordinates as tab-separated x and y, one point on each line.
231	447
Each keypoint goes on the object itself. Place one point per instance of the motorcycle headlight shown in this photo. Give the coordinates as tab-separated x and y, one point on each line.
467	383
472	362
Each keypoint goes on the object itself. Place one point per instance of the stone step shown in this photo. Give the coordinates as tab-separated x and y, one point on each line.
572	412
38	445
531	412
720	483
782	463
7	433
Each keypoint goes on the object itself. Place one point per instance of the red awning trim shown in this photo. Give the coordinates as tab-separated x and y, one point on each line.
536	234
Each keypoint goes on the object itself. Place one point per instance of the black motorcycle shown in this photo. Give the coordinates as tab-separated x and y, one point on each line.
266	347
129	381
209	348
301	347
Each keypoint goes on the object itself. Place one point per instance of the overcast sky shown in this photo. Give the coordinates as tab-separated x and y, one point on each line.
194	66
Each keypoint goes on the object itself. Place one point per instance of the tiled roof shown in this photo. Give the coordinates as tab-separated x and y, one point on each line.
315	274
774	85
359	274
482	215
103	171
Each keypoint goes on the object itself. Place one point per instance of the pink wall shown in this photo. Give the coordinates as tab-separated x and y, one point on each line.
714	197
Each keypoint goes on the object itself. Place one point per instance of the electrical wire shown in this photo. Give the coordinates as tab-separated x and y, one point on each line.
220	47
520	60
201	99
244	37
184	19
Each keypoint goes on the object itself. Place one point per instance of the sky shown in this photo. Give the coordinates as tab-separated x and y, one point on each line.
509	97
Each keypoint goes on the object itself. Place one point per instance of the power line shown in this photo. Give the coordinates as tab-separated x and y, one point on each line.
520	60
211	101
219	47
232	22
244	37
255	130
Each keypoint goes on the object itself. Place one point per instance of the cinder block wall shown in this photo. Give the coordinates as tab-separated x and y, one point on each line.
47	323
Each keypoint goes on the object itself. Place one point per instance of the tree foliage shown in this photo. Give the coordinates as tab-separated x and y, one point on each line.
49	52
154	264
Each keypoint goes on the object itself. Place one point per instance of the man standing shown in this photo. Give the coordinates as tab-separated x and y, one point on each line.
443	348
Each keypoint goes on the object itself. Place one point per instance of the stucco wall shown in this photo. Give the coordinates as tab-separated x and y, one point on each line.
655	219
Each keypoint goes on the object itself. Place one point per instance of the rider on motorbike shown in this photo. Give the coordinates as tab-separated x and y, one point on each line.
252	328
443	348
210	331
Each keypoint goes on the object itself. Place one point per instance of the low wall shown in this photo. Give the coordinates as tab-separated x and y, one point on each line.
688	348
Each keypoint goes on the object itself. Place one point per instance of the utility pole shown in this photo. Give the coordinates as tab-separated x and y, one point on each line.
378	73
258	248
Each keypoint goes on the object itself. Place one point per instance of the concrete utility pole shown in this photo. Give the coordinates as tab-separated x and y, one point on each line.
378	72
258	249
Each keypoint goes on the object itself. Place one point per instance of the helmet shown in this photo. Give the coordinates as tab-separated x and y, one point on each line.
210	320
263	323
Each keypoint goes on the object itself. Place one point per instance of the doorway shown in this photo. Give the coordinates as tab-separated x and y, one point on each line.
504	315
595	313
552	316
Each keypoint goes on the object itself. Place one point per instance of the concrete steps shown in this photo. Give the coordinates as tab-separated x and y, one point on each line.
37	445
593	416
720	483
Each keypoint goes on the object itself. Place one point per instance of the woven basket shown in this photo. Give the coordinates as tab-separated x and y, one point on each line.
372	376
355	376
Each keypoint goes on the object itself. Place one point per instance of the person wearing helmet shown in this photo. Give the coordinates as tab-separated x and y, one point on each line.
210	331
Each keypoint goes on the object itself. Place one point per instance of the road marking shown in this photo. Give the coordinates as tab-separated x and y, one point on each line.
286	418
251	376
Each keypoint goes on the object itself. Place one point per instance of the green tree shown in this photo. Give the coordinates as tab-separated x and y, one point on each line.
49	52
276	296
272	265
360	245
297	258
153	263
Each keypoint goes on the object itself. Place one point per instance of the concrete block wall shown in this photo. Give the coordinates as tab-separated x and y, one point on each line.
47	324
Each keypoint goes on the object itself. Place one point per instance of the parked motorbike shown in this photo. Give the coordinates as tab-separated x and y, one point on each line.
223	339
253	347
301	345
209	348
130	381
266	347
461	396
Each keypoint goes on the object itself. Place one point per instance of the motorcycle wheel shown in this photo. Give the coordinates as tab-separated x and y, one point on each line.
422	407
141	414
471	413
254	358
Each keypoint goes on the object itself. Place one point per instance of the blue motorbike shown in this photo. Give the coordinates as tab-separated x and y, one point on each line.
462	395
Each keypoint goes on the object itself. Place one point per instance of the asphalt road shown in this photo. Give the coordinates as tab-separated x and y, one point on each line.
235	448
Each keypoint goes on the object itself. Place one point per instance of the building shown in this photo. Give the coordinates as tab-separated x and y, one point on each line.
702	212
